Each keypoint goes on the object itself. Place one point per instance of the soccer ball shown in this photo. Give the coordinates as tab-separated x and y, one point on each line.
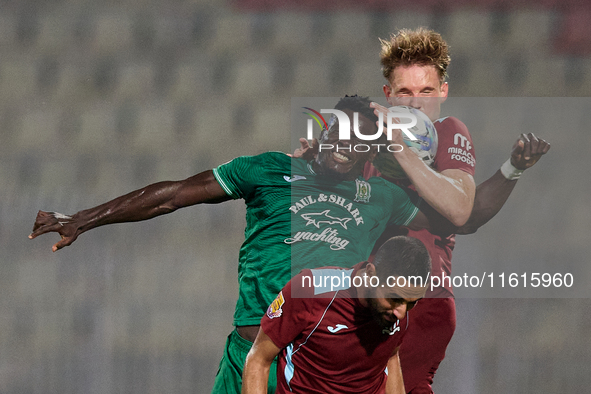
425	146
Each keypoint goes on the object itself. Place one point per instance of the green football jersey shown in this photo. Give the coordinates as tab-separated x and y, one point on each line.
297	219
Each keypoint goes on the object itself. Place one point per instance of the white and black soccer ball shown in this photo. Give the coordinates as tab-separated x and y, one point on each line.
425	146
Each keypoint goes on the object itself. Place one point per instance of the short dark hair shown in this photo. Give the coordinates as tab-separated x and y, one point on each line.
402	256
359	104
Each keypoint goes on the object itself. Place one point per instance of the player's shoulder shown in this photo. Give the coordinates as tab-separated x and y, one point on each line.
282	159
266	160
274	157
449	124
321	282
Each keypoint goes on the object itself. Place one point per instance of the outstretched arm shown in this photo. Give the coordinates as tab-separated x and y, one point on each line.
258	363
492	194
151	201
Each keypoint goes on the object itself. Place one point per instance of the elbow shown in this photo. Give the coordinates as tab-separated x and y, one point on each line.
467	229
459	218
458	222
461	212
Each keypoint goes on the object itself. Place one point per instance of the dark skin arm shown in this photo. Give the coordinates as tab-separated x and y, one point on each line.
492	194
143	204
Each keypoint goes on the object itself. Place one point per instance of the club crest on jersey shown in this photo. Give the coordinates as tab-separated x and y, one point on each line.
274	309
363	191
393	329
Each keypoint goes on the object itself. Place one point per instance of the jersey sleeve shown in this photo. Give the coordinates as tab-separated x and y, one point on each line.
454	149
239	176
288	316
405	205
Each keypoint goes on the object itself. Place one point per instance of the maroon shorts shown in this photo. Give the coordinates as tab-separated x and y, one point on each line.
431	325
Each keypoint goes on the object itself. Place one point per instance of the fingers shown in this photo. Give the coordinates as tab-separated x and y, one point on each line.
518	147
377	109
528	144
537	146
45	222
304	144
315	144
54	222
527	151
306	151
66	241
541	147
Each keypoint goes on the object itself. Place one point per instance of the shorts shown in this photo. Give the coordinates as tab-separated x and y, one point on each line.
432	323
228	380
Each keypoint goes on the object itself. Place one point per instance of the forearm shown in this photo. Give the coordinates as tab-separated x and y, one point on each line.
394	382
451	197
255	378
258	364
153	200
145	203
491	195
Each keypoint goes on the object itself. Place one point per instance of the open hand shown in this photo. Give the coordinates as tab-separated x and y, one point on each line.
64	225
306	151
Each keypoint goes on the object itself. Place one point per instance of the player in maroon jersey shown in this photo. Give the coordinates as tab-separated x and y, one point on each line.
414	63
338	330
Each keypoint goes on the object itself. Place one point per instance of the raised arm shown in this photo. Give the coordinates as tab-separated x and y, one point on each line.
492	194
258	363
151	201
450	192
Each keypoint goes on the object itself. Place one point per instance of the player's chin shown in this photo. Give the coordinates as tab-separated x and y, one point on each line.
385	321
339	170
343	168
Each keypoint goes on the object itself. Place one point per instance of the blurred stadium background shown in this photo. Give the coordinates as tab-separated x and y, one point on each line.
98	98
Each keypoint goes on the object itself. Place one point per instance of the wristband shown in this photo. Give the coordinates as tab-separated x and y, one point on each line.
510	172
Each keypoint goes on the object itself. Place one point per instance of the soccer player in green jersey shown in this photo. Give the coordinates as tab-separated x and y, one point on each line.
299	215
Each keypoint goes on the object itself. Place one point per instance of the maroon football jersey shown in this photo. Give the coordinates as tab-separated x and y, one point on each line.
331	342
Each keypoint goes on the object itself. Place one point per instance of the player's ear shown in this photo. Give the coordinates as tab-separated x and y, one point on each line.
387	90
444	91
370	269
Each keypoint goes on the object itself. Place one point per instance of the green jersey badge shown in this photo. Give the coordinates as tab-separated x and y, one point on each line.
363	191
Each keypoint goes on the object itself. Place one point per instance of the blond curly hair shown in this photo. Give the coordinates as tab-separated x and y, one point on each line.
422	47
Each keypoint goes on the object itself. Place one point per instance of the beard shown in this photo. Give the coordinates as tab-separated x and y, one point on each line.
383	318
